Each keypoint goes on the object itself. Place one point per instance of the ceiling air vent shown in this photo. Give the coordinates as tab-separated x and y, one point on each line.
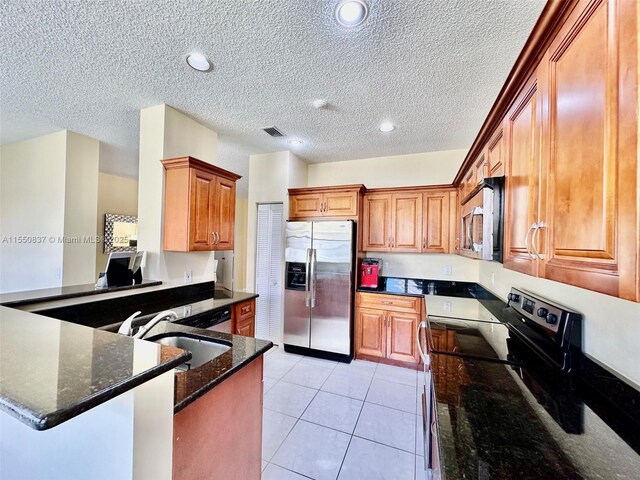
273	131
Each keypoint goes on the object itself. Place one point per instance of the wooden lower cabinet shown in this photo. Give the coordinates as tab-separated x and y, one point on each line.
371	332
244	318
219	435
401	336
385	330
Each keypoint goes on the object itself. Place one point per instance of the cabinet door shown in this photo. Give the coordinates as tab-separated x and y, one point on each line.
587	158
522	179
371	332
246	327
201	212
224	214
305	205
495	154
401	339
482	168
376	223
435	225
406	221
340	204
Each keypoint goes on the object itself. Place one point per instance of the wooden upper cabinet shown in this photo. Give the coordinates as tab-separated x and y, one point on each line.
335	202
481	167
522	179
436	222
410	221
199	206
590	155
406	222
495	154
304	205
376	223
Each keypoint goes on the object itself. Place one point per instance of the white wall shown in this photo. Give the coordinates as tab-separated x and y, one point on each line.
116	194
168	133
48	192
270	176
80	209
428	168
32	204
611	325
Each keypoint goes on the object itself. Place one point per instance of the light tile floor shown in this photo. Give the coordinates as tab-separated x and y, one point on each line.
328	420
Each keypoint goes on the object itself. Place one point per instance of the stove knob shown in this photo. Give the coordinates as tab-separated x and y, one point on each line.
513	297
542	312
552	318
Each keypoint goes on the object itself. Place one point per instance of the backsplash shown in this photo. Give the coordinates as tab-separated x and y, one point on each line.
427	265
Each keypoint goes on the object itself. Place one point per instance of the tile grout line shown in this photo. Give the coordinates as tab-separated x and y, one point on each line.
357	420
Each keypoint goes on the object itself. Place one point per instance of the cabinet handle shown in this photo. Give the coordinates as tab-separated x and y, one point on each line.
533	239
526	240
217	237
386	302
424	243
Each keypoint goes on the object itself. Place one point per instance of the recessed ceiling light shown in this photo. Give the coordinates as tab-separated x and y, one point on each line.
199	62
387	127
295	143
351	13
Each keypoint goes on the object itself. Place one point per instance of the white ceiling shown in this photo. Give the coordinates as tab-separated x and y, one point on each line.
433	67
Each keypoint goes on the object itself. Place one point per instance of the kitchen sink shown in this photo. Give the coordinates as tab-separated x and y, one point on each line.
202	350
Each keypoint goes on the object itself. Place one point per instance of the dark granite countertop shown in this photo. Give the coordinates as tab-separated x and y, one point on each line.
490	425
194	383
186	310
418	287
15	299
493	424
52	371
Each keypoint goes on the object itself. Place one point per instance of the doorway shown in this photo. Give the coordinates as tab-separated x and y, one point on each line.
269	272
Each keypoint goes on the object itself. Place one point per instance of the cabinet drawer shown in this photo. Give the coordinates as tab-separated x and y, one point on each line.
396	303
246	309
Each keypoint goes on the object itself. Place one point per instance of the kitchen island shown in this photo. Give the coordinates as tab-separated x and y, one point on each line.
206	409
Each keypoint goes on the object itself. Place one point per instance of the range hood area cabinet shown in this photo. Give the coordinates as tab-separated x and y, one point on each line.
410	220
340	202
568	144
199	206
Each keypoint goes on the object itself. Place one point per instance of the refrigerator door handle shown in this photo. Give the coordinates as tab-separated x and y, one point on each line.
307	289
313	278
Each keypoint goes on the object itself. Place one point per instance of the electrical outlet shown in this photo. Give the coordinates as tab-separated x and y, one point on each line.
186	311
187	276
448	270
446	306
385	265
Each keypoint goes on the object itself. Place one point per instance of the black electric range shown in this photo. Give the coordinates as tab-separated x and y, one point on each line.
510	403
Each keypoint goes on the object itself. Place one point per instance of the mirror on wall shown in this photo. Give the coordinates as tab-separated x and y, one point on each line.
120	233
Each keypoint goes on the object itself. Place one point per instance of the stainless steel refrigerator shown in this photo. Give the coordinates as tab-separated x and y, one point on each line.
318	296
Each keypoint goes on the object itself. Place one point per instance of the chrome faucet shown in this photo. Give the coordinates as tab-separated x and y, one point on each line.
125	328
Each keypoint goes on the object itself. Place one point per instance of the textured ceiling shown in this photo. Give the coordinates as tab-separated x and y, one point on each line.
432	67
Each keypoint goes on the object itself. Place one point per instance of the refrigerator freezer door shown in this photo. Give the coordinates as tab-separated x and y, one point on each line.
331	316
296	319
297	241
